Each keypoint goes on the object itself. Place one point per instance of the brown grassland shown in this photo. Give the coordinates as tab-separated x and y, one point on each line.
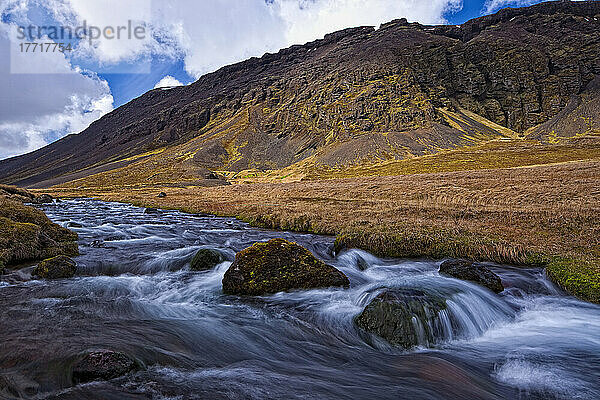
543	215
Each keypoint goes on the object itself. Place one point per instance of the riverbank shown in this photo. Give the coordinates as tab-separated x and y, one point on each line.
543	215
26	233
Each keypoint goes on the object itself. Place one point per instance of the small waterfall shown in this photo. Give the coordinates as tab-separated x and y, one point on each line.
417	306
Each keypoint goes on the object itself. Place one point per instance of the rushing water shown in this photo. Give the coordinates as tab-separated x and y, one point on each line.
134	293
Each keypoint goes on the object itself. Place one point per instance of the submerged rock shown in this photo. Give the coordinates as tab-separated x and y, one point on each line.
206	259
404	317
362	264
56	268
276	266
103	365
151	210
473	272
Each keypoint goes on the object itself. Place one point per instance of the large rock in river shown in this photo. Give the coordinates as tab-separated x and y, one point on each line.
276	266
103	365
55	268
473	272
404	317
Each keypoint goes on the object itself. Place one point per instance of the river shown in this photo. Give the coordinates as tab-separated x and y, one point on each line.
134	293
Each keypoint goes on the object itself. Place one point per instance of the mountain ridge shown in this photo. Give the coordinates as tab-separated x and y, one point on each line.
357	95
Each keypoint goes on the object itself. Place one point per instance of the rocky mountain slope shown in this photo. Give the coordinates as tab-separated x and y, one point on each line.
357	96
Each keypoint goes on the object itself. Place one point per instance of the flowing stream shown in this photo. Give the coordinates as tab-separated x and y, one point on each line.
135	293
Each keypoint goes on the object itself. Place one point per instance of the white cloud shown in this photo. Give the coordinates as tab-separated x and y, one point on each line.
310	19
220	32
36	109
495	5
167	82
210	34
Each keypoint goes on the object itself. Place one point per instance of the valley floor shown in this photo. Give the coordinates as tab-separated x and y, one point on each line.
538	215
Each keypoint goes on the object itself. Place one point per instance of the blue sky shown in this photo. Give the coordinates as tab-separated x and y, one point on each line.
47	96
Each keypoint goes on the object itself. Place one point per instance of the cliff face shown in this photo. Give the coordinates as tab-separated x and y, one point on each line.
357	95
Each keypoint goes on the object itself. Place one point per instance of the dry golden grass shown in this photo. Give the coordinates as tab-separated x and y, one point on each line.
508	153
174	166
522	215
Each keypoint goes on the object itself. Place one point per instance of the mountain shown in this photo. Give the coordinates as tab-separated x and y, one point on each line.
360	95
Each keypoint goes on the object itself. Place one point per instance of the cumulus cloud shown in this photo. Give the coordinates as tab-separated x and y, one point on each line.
36	109
210	34
167	82
495	5
214	34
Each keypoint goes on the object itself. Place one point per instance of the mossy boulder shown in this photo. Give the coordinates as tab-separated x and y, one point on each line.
279	265
472	272
206	259
26	234
60	267
403	317
103	365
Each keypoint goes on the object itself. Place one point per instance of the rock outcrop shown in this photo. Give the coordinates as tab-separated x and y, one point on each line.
103	365
276	266
206	259
473	272
26	234
403	317
357	95
43	199
59	267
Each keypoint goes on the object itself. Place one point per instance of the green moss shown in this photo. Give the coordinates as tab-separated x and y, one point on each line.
576	275
206	259
278	265
59	267
26	234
